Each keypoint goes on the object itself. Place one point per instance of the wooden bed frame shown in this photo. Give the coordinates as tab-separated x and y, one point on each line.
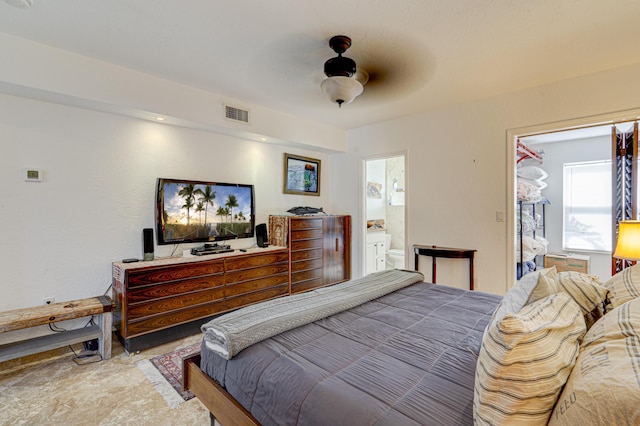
222	406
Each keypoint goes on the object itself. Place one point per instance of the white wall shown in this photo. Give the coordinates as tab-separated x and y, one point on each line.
556	155
60	236
457	165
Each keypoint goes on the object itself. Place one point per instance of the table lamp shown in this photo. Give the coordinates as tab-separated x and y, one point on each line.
628	245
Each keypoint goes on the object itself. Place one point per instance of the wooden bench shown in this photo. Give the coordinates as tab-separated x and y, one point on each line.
19	319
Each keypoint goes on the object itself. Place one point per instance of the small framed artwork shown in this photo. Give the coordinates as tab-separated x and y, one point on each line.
301	175
374	190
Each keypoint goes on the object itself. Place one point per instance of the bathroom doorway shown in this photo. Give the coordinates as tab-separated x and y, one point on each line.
385	198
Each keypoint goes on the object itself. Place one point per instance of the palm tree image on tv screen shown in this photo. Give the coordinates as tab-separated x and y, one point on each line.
202	211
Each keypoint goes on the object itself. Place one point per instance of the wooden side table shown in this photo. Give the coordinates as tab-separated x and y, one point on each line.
448	252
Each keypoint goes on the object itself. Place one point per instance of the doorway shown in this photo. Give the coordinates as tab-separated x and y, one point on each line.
385	206
538	133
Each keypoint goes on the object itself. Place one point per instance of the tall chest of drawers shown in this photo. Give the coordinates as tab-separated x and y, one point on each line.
320	249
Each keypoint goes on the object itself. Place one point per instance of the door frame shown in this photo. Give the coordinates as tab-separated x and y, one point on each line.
512	135
363	202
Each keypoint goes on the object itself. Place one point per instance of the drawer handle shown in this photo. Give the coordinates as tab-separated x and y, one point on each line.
337	245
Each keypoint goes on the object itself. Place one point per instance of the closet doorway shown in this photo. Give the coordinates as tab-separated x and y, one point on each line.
385	207
568	148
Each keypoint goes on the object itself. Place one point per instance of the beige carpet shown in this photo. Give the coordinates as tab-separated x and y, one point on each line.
51	389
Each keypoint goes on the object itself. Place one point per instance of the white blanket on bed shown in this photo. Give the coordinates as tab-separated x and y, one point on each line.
228	334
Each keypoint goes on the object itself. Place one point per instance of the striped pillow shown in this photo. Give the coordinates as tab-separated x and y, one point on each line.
525	360
623	286
604	386
586	291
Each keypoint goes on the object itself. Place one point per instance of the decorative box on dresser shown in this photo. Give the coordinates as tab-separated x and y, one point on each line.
162	300
320	248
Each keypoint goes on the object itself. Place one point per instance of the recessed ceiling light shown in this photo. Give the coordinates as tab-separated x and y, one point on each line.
22	4
158	118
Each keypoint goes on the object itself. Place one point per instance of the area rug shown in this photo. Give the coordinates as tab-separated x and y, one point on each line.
165	373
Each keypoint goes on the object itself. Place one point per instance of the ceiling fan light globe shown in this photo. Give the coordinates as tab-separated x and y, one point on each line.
341	90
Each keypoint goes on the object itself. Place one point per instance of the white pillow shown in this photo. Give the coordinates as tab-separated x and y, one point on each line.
539	183
528	192
525	360
531	172
534	286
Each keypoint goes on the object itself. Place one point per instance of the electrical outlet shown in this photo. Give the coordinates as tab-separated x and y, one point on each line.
49	300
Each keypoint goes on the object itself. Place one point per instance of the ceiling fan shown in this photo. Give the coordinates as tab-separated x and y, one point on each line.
344	81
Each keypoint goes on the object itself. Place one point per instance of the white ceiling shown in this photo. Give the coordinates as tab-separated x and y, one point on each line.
421	54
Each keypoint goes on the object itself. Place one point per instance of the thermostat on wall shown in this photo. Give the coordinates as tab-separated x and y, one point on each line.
32	175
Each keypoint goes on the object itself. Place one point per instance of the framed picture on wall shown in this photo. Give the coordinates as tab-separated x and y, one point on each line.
374	190
301	175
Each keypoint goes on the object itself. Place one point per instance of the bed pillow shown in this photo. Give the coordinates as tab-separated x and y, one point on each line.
531	287
531	172
527	191
539	183
623	287
586	291
525	360
604	386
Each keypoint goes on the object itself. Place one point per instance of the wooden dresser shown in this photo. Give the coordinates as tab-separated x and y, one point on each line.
320	249
166	299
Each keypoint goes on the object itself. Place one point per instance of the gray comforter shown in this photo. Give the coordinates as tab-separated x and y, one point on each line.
229	334
406	358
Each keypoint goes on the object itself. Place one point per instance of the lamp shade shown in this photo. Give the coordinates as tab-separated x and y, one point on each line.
342	90
628	245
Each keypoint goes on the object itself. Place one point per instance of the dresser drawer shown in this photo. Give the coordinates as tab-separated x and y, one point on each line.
306	275
306	244
306	234
173	272
306	285
306	223
156	291
175	303
173	318
254	273
304	265
247	262
245	299
306	255
250	286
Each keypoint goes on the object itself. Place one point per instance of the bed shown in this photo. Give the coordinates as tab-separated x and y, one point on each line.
406	357
559	349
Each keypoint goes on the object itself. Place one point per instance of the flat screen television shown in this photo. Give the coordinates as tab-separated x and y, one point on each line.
189	211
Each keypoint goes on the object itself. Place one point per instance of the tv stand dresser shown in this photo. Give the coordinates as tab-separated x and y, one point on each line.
162	300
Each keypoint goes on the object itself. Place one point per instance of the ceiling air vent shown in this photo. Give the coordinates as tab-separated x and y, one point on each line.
236	114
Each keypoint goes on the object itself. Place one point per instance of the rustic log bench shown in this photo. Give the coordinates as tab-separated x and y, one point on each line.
18	319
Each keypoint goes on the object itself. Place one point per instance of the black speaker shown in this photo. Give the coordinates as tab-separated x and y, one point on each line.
147	243
261	235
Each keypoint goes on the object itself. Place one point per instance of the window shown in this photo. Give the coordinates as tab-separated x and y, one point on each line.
587	206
